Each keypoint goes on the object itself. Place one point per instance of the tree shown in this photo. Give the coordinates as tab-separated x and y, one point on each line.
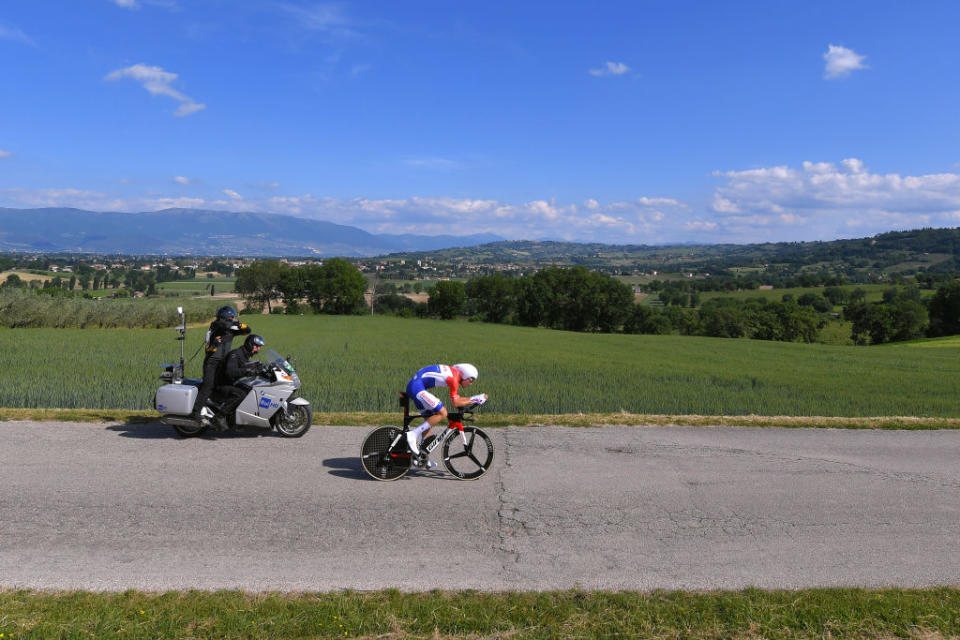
13	280
574	299
648	320
336	287
819	303
447	298
900	319
493	297
724	318
259	283
945	310
835	295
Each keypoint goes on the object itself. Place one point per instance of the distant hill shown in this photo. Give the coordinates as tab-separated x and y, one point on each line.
930	249
199	232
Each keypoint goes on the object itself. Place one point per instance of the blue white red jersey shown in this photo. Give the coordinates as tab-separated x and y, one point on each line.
438	375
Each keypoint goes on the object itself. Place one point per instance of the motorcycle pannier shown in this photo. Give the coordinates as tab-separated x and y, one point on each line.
176	398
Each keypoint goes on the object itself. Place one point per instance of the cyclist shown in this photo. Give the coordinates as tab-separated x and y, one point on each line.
430	407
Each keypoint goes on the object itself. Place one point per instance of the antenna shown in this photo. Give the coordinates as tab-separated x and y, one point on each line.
182	337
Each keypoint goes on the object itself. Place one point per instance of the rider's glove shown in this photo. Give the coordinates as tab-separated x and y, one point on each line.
478	399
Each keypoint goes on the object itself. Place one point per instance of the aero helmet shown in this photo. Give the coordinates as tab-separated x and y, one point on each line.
226	313
466	370
253	340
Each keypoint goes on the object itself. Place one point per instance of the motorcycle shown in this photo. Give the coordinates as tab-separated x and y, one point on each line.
270	402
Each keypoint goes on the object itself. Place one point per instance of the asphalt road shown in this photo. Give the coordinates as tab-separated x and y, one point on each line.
112	507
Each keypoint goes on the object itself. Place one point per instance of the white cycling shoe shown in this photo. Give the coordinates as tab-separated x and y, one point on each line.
412	441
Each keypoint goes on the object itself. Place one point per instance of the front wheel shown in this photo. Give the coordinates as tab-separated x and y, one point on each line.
468	455
295	421
385	454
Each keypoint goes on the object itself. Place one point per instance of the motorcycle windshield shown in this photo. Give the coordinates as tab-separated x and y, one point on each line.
278	361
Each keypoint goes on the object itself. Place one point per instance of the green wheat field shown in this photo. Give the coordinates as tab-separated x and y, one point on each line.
358	364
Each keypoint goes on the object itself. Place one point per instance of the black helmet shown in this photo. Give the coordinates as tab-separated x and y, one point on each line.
226	313
253	340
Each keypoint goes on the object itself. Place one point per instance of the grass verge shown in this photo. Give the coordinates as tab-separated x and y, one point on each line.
392	615
372	419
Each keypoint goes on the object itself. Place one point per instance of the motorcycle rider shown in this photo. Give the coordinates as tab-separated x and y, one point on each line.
219	341
430	407
239	364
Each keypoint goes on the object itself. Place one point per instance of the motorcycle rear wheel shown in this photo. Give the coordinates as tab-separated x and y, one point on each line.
189	432
295	421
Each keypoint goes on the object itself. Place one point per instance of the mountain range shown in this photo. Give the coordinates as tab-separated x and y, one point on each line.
208	233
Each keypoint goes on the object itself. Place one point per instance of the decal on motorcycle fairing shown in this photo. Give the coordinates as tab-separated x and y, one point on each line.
266	402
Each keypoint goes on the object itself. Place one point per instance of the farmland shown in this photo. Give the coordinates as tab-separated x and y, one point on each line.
196	286
351	364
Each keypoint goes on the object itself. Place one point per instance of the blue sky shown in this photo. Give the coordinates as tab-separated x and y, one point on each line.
618	122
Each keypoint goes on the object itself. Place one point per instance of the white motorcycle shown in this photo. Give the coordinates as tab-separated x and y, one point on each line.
270	402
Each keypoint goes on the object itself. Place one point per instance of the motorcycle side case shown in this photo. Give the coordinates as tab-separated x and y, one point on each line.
176	398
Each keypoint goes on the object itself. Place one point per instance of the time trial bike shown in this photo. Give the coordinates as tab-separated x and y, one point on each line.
467	450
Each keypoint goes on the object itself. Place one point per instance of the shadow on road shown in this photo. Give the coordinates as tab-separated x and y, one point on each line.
160	431
350	468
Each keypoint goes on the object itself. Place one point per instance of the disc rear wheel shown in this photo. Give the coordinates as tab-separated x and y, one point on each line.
381	459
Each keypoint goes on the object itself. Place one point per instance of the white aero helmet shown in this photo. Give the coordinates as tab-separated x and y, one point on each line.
466	370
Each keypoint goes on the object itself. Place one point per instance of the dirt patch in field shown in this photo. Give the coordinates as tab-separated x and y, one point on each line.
27	277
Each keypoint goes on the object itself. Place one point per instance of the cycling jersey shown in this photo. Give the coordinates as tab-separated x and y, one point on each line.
437	375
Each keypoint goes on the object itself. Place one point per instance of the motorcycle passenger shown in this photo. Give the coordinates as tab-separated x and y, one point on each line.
219	341
430	407
239	364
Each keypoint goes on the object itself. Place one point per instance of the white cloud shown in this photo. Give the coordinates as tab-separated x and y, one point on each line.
722	205
5	154
841	61
127	4
610	69
158	82
188	107
232	194
14	34
181	179
431	162
325	19
824	200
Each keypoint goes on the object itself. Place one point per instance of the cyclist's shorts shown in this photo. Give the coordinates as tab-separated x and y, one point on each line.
427	403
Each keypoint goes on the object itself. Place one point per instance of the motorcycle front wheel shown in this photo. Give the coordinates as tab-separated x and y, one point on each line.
295	421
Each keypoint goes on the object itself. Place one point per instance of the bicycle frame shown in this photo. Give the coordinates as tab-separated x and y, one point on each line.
455	420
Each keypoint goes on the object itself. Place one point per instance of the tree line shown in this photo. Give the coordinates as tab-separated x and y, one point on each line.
578	299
